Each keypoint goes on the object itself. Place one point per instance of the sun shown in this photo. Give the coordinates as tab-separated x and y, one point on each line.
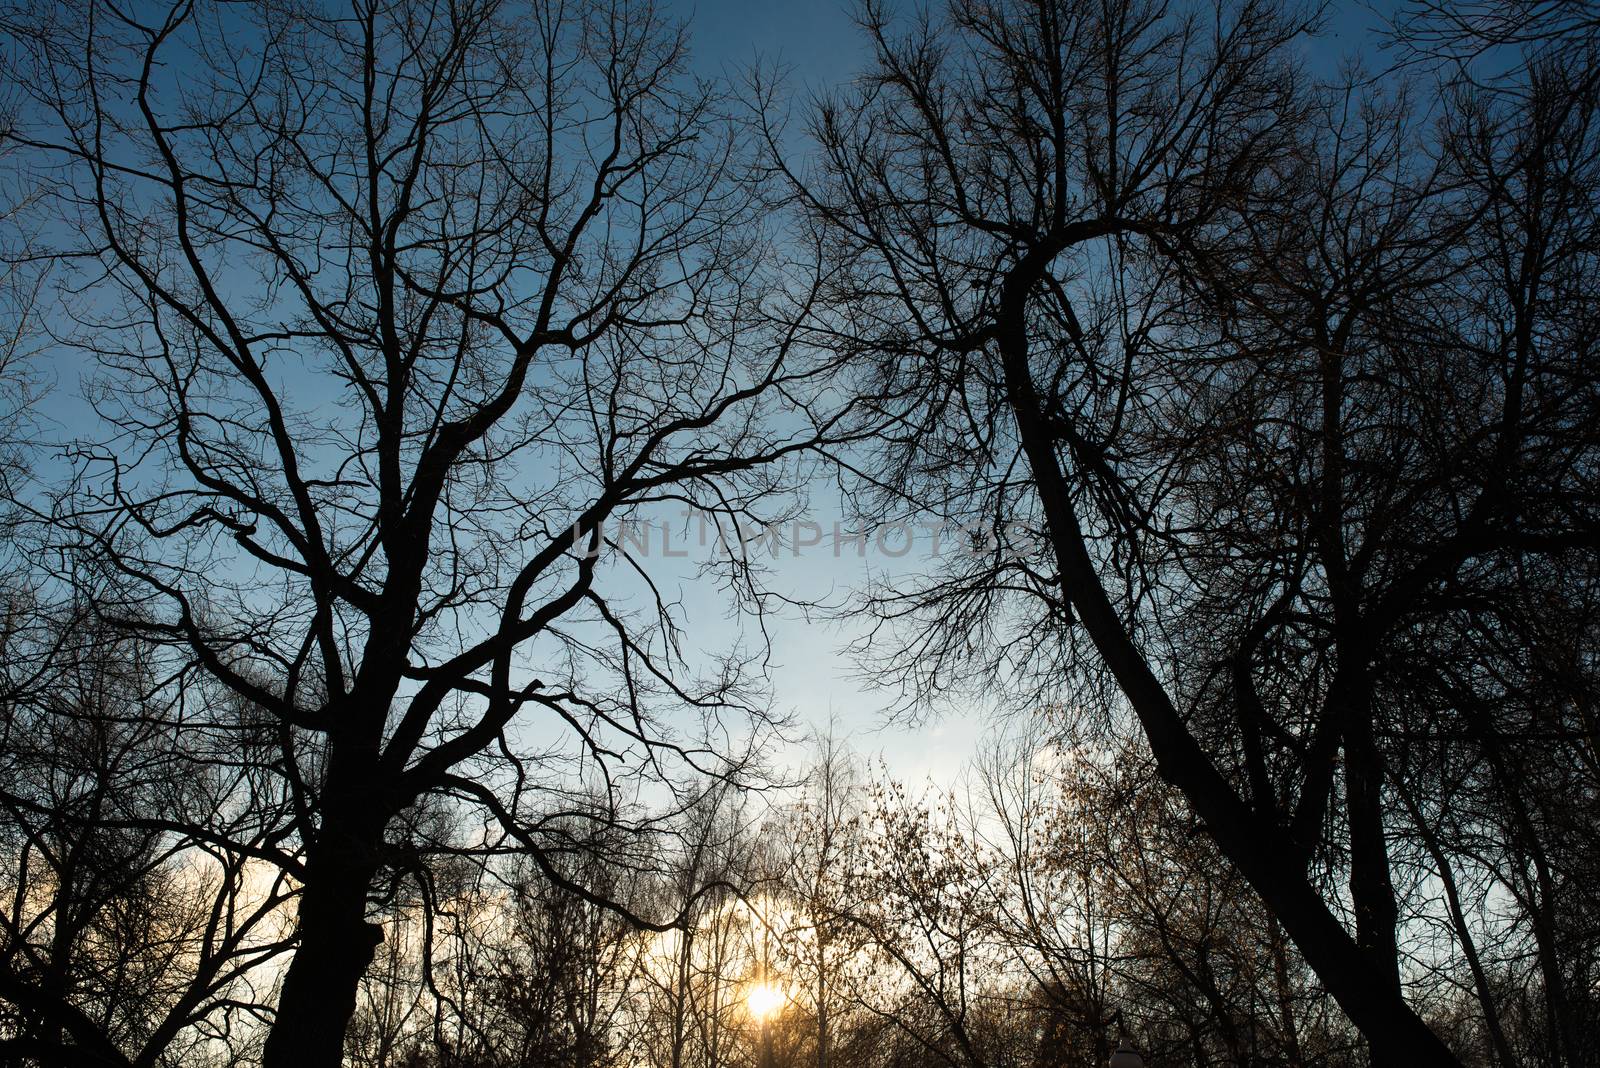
764	1000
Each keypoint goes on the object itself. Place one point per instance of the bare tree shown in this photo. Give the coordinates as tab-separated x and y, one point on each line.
138	914
1227	345
401	308
820	842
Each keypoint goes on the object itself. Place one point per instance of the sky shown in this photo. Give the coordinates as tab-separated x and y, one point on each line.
818	40
818	46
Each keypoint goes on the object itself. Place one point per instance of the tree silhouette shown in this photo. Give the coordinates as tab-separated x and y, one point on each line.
396	308
1238	351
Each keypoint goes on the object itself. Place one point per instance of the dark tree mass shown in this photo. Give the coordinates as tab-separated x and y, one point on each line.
415	416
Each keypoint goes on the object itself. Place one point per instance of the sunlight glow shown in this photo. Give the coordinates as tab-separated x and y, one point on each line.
764	1000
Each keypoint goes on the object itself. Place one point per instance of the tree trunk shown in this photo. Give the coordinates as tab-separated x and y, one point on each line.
1258	848
1371	886
337	944
822	1005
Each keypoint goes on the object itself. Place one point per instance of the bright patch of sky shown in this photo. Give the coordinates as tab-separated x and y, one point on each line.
819	46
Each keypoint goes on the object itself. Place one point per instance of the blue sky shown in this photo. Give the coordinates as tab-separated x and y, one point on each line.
819	46
817	39
819	42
